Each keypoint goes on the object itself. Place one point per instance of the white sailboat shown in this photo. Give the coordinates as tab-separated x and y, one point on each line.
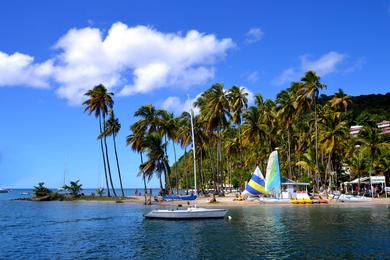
4	190
189	212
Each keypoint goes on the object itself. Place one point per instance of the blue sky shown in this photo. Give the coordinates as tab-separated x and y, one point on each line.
156	52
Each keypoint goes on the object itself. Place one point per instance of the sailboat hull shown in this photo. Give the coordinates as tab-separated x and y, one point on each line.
189	213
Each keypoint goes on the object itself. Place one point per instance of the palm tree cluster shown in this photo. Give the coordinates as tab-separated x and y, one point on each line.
232	138
100	103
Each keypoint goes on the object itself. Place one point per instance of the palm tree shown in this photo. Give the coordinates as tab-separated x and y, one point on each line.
287	111
74	188
215	110
112	127
309	89
340	99
238	99
157	162
168	129
253	129
137	143
99	102
41	190
371	139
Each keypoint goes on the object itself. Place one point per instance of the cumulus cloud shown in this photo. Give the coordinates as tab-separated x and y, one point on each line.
20	70
326	64
151	58
177	106
254	35
128	60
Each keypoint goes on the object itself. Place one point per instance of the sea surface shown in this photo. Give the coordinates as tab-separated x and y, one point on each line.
103	230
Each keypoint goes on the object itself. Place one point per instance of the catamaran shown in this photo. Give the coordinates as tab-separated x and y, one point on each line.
270	185
190	212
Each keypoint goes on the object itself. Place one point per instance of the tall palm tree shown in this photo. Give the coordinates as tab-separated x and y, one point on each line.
157	161
310	89
253	129
238	99
216	112
112	127
137	144
99	102
149	122
287	111
371	139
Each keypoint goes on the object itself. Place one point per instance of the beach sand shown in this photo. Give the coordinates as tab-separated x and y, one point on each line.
228	201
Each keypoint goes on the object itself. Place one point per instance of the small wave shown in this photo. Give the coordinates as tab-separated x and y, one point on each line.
53	222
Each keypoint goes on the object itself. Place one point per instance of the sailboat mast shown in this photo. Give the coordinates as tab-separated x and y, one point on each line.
193	144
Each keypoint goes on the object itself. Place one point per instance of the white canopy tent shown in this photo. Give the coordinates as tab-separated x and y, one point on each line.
369	181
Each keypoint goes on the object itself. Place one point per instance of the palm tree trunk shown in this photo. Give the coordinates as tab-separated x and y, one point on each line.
117	163
177	175
144	179
289	153
108	160
104	160
316	128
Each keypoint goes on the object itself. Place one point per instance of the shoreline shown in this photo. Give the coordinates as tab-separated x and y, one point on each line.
227	201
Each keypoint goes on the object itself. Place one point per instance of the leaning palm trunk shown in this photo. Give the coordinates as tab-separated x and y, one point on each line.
117	164
104	160
143	177
108	161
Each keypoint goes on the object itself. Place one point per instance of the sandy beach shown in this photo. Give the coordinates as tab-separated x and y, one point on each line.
228	201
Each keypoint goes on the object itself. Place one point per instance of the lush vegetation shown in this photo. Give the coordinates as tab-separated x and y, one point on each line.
232	138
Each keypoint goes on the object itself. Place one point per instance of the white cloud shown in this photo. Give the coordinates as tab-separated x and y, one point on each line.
177	106
326	64
20	70
153	59
254	35
253	76
128	60
287	75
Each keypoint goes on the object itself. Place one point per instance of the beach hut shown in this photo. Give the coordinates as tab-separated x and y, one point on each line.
290	187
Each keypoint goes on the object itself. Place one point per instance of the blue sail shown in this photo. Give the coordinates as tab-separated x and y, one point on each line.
256	185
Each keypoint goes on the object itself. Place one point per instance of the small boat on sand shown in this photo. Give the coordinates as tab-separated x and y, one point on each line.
351	198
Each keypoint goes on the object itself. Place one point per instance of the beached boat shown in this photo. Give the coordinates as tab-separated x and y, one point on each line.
189	212
351	198
186	213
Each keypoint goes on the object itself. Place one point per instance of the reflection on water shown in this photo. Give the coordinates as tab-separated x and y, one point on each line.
102	230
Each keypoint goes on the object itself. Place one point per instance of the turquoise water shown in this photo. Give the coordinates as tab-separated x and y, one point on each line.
68	230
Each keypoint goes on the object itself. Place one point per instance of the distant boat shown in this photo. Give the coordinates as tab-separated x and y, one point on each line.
4	190
24	193
189	212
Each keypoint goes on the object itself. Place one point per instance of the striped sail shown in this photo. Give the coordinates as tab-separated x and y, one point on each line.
272	179
256	185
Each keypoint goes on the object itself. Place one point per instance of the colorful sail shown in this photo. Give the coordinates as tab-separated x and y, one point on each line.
272	179
256	185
